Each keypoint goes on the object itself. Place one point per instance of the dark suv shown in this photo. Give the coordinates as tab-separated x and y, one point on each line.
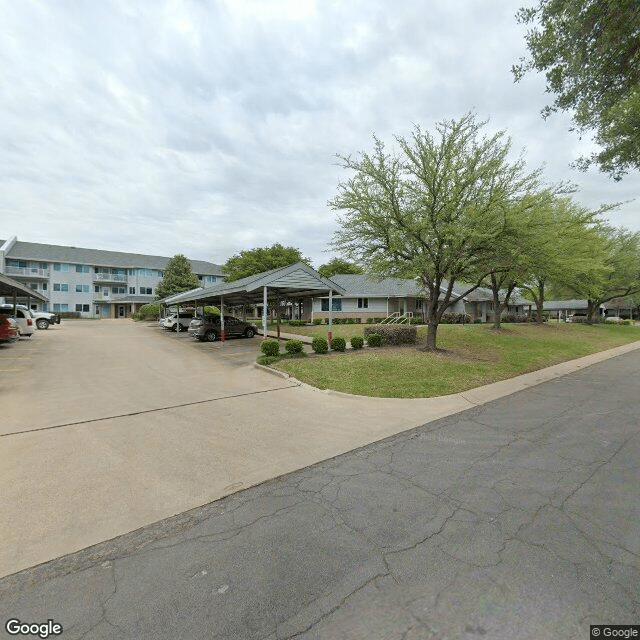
208	328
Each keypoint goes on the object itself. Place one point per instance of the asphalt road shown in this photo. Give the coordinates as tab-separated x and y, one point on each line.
517	519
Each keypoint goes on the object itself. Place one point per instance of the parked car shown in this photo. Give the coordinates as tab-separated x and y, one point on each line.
171	322
42	318
8	329
22	317
209	328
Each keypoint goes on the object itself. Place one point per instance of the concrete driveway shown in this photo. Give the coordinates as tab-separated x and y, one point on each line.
110	425
515	520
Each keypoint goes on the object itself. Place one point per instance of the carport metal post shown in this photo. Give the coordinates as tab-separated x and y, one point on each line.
264	312
178	320
222	318
330	315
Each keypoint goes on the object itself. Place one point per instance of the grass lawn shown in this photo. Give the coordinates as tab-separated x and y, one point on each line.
473	355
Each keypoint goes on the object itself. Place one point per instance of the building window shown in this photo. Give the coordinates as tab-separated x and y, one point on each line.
60	286
82	268
63	267
34	285
82	288
146	291
60	307
96	288
44	265
83	308
336	304
132	272
117	289
363	303
211	279
148	273
160	274
132	290
45	286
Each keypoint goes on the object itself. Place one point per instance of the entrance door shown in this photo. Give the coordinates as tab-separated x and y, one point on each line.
120	311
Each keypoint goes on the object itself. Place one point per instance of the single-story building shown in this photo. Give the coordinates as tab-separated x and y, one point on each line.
562	309
368	297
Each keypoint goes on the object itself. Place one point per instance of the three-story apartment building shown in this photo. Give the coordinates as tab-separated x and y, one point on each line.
92	282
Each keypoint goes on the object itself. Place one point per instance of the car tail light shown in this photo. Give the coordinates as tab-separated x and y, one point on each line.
29	322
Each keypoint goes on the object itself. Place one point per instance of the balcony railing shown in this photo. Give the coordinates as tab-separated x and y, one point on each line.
109	277
27	272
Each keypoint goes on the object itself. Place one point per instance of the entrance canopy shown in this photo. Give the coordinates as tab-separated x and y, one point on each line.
295	282
14	289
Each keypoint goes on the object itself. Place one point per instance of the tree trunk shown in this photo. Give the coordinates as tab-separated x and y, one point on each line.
540	303
497	310
591	311
432	332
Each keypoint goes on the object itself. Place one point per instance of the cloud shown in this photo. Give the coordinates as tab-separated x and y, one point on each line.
208	128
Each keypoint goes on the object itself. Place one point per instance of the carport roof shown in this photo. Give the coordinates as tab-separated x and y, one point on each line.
297	280
9	286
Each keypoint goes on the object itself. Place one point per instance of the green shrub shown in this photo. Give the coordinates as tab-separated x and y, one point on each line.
211	311
455	318
626	323
320	345
317	321
369	320
394	333
338	344
357	342
416	321
374	339
477	321
266	360
270	347
297	323
293	346
150	311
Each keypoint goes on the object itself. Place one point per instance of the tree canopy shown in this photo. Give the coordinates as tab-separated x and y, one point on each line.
434	210
338	265
178	277
589	51
249	262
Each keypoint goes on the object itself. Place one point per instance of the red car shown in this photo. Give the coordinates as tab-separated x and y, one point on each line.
8	329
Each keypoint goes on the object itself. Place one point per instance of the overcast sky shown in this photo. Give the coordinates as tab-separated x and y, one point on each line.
208	127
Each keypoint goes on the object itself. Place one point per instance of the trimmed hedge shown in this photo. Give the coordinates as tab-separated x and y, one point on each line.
320	345
150	311
297	323
317	321
293	346
270	348
266	360
394	333
374	339
357	342
456	318
338	344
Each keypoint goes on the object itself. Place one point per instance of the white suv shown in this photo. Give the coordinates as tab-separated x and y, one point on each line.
170	322
22	317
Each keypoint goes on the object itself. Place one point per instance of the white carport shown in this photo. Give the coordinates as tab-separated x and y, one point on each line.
294	282
10	288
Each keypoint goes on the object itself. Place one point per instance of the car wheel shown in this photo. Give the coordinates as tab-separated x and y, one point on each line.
249	333
42	323
211	336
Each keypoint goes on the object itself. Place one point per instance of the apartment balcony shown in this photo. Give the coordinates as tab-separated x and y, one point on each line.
112	297
30	273
109	277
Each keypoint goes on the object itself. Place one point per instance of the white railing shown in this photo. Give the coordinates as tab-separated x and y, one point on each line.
28	272
110	277
397	318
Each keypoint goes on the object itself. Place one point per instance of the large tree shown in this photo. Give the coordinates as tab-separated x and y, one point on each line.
621	274
431	211
178	277
249	262
589	51
338	266
560	242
